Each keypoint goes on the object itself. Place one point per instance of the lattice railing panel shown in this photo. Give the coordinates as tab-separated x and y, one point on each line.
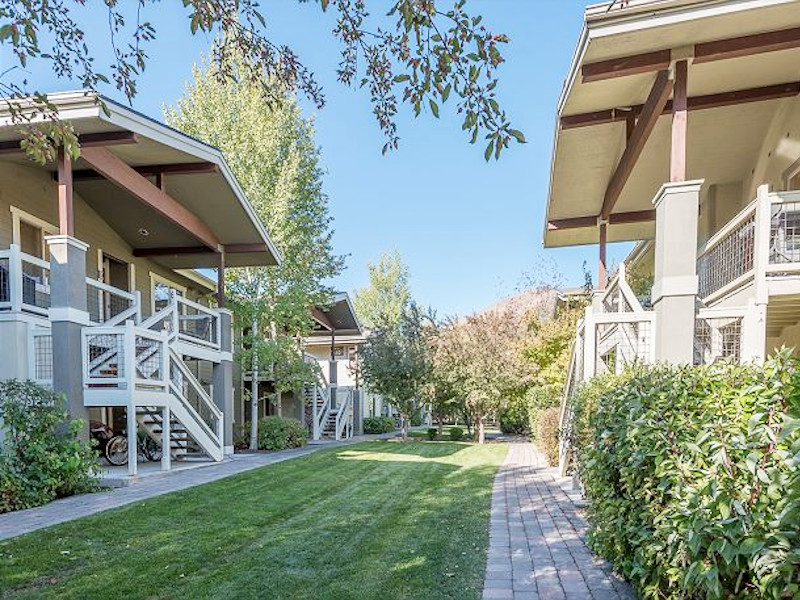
729	259
717	338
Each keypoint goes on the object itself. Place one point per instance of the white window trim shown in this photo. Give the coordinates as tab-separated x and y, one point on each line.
18	216
156	278
790	173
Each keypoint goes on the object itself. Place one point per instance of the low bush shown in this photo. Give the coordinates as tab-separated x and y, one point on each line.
41	458
432	433
693	477
456	434
416	420
279	433
547	433
379	425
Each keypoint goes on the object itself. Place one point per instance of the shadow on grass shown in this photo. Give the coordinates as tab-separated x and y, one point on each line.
376	520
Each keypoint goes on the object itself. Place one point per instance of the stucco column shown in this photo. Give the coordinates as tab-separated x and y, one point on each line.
223	378
675	283
68	316
358	413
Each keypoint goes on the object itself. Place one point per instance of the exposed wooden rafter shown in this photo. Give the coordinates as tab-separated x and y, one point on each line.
747	45
732	98
321	318
126	178
637	216
154	170
86	140
626	65
179	250
656	101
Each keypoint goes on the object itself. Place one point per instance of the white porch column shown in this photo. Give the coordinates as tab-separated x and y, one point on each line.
68	316
675	283
754	323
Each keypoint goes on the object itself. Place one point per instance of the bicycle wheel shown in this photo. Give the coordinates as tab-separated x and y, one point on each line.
117	450
152	449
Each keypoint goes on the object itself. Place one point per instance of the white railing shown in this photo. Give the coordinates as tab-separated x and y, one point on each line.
727	258
618	296
344	415
40	355
190	392
197	324
322	408
108	305
718	335
124	357
761	242
24	282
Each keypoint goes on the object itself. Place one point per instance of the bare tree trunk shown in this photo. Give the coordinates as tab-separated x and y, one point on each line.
254	396
481	429
404	428
279	403
440	423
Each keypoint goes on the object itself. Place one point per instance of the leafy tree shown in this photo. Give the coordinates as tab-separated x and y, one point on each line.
271	150
482	357
420	52
395	362
381	305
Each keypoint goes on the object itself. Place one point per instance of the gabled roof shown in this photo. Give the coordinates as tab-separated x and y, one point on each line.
196	175
340	318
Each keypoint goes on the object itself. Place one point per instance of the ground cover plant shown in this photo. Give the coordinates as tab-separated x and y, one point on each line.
693	477
360	522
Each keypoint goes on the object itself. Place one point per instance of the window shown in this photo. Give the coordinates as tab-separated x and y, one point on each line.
792	177
161	289
29	233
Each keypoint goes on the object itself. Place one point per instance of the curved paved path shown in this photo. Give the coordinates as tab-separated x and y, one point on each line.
536	538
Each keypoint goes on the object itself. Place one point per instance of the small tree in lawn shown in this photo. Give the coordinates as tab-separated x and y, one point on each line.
396	363
482	357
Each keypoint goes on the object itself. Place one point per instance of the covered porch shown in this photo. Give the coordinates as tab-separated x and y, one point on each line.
112	277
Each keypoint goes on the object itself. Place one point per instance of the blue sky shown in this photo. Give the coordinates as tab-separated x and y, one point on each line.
468	230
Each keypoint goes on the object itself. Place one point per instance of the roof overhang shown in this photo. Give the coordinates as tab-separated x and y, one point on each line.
743	57
339	318
191	172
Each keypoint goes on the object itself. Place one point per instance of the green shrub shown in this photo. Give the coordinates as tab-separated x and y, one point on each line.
514	417
41	458
432	433
416	420
279	433
456	434
547	433
693	477
539	399
379	425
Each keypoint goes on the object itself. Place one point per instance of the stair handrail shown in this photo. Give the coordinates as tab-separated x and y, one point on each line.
324	393
159	316
208	403
344	410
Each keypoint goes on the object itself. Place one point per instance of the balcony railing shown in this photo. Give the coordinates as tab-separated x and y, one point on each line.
762	241
24	282
108	305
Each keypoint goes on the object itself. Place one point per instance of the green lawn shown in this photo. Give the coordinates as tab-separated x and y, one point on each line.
376	520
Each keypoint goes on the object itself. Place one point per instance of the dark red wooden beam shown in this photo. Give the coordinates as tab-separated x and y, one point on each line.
624	218
626	65
157	170
747	45
732	98
171	251
656	101
123	176
86	140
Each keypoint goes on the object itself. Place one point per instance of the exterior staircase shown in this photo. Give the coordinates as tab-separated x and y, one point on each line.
141	367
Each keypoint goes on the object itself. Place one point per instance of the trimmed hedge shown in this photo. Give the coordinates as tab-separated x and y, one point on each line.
41	458
547	433
379	425
279	433
693	477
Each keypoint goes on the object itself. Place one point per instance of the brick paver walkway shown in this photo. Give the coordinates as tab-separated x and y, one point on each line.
67	509
536	538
